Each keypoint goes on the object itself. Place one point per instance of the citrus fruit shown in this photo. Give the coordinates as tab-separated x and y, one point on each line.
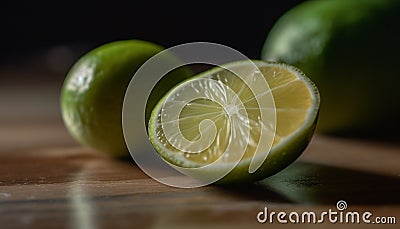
350	50
93	92
217	117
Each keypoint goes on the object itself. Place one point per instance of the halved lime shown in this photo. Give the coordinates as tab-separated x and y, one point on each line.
218	116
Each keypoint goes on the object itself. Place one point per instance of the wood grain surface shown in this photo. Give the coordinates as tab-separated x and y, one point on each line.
48	181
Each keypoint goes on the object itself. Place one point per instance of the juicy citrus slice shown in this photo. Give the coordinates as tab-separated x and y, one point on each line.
218	116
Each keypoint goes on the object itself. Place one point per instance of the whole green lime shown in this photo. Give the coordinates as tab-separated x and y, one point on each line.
93	93
350	49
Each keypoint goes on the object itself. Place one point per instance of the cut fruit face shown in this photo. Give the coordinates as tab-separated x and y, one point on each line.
224	123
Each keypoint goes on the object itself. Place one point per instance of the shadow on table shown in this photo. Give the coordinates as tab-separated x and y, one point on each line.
308	183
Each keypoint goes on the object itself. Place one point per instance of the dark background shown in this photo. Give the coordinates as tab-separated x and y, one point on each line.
40	41
31	27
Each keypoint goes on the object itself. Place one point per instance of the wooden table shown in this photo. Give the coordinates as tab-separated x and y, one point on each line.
48	181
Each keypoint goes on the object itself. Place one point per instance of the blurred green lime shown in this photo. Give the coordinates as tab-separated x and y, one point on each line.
350	49
94	89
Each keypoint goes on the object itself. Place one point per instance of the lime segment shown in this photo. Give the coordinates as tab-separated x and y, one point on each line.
221	118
